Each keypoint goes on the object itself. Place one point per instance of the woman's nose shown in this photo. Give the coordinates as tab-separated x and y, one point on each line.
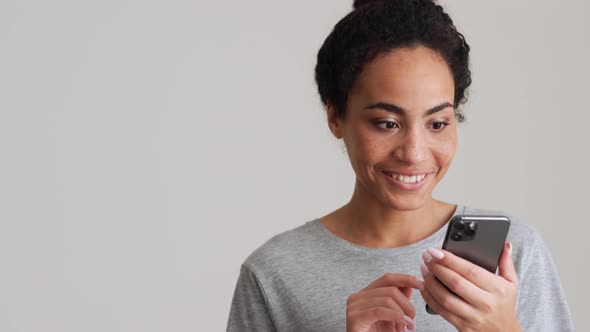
412	149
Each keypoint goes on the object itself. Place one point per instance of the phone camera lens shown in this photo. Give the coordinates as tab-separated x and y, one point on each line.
469	232
457	237
460	226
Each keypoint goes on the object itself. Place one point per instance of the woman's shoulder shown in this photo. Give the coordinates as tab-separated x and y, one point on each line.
283	247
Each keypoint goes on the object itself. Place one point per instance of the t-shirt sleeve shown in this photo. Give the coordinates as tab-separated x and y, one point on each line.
249	309
541	303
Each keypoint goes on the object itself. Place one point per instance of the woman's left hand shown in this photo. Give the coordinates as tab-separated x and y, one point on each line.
485	301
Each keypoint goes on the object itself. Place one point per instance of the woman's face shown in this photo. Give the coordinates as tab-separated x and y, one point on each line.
400	128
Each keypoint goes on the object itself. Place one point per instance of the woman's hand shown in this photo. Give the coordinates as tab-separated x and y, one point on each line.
384	305
485	301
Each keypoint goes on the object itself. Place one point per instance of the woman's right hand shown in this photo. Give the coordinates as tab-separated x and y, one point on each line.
384	305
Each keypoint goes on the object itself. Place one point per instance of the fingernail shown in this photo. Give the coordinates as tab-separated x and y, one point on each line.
423	269
420	283
411	324
435	253
426	257
409	320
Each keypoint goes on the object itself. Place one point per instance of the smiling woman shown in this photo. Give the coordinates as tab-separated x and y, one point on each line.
392	75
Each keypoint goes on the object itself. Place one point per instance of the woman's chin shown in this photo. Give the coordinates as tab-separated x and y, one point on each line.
406	203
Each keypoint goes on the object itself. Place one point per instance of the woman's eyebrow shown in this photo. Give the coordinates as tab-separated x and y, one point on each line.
398	110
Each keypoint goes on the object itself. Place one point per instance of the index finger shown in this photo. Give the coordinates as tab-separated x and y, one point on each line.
394	279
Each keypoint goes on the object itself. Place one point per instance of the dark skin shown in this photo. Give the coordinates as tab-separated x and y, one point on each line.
400	134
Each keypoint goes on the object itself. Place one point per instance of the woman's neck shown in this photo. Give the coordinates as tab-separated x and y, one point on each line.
367	222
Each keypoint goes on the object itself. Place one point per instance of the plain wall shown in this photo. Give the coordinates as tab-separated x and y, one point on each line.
147	148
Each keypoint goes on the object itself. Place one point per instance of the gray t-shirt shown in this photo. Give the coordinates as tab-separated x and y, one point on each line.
299	280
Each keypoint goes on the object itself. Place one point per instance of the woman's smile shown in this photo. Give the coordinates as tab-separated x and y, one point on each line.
407	181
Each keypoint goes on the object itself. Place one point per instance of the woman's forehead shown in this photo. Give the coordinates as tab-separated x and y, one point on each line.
409	78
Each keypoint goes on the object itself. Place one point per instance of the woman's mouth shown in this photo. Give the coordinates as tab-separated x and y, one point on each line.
407	181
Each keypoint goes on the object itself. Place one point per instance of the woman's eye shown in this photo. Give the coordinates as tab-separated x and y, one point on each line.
439	125
387	125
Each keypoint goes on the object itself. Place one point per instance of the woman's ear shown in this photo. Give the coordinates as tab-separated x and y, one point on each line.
334	121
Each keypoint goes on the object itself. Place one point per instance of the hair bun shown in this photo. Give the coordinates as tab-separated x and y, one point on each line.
359	3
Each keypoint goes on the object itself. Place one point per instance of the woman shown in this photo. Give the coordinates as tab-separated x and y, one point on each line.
392	75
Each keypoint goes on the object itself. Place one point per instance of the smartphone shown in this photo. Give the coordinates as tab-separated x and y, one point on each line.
478	239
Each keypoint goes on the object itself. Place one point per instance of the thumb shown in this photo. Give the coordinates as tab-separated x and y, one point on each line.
506	265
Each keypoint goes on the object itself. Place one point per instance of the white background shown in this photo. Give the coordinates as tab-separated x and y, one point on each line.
148	147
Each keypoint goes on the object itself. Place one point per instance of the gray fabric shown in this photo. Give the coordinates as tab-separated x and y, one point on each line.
299	280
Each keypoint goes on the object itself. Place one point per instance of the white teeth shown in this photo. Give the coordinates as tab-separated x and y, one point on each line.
408	179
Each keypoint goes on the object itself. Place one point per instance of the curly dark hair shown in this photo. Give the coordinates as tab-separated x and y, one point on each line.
379	26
